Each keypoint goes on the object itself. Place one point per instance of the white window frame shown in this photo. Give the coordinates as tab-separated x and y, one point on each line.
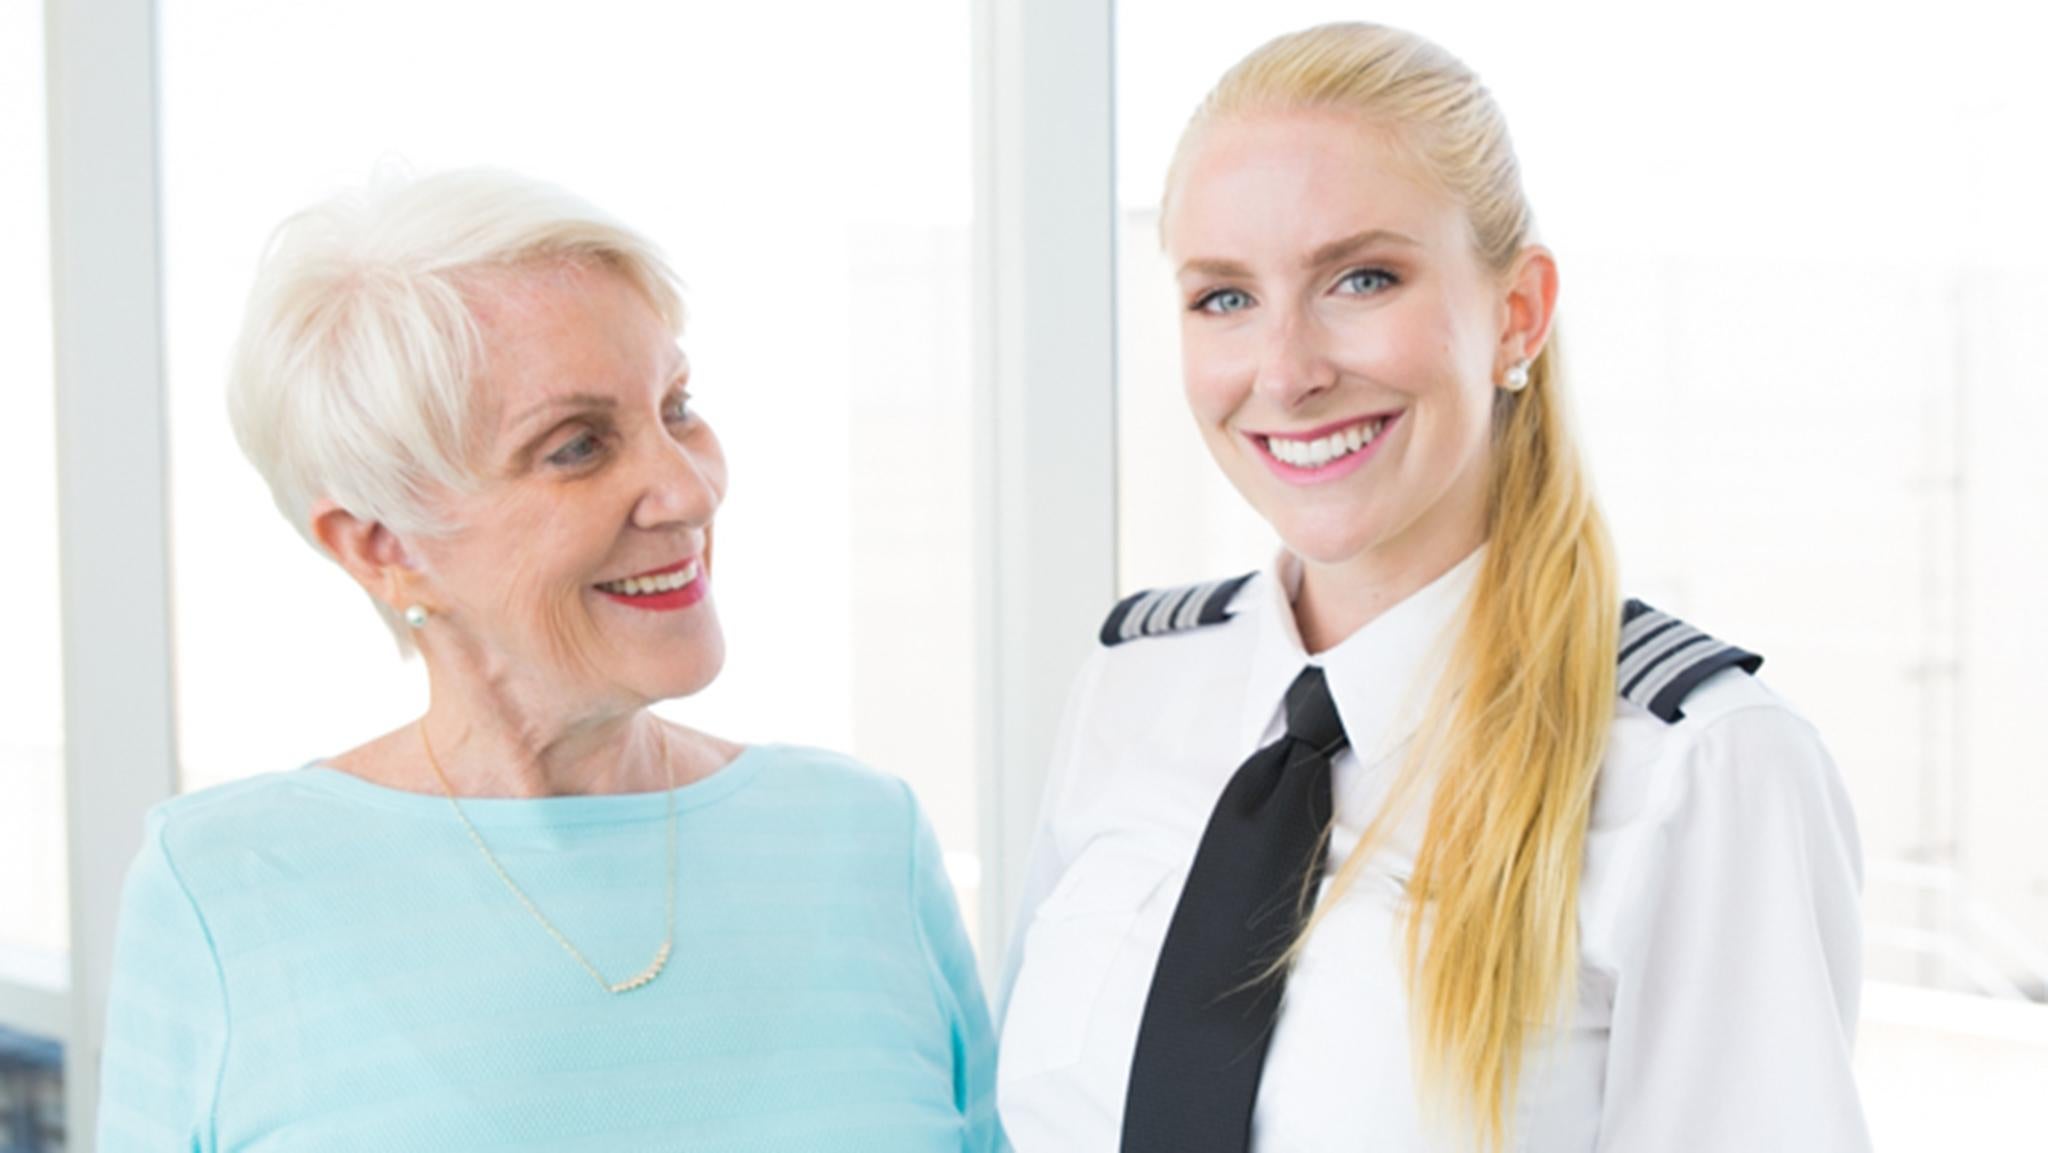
1045	399
113	541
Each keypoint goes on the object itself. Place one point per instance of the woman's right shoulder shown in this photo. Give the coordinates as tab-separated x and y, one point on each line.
259	812
1165	652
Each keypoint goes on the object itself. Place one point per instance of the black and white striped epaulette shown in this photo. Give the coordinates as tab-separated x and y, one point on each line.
1663	660
1157	612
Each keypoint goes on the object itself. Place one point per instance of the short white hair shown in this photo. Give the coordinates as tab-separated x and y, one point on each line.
353	379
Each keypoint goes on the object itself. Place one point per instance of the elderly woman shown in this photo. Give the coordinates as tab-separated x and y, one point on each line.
539	916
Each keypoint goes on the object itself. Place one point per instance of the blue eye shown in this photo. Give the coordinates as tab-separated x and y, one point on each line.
1366	281
582	450
678	411
1223	301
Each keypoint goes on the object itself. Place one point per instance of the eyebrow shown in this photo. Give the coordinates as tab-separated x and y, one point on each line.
1330	253
1338	250
678	367
574	400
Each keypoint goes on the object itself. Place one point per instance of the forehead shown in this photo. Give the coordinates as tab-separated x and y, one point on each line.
564	328
1291	181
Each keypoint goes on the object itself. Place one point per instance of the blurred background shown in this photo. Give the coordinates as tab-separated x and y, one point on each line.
1801	246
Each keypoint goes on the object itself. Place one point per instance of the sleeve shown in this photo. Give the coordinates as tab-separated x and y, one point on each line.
1045	863
1733	1027
166	1033
958	985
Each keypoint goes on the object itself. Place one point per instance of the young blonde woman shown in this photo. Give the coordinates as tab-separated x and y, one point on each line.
1422	838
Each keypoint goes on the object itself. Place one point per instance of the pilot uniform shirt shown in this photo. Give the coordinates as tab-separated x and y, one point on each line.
1719	935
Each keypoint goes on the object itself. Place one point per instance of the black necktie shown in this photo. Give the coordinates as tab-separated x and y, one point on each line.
1210	1014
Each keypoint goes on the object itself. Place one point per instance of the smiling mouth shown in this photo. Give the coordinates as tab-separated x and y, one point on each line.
1317	451
654	584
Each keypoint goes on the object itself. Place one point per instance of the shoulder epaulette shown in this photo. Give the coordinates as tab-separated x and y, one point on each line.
1663	660
1157	612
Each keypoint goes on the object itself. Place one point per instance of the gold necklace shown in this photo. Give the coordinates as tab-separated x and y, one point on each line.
654	968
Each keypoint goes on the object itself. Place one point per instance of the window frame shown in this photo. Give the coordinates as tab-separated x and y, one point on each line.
113	537
1045	401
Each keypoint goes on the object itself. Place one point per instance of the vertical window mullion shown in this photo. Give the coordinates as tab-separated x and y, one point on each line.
1045	391
112	526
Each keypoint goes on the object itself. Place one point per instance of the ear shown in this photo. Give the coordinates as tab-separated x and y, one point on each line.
370	552
1528	308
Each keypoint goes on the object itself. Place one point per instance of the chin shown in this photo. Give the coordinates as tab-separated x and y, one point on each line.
1328	539
1327	554
662	654
649	670
687	675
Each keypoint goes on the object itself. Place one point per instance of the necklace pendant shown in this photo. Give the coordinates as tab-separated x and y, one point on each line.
645	976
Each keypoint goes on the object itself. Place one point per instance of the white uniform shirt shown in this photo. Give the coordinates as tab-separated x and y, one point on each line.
1719	933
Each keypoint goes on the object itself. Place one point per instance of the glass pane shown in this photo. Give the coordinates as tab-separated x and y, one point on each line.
31	1094
813	191
1802	315
34	913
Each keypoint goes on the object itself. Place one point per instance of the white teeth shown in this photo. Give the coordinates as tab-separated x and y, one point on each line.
1322	450
648	586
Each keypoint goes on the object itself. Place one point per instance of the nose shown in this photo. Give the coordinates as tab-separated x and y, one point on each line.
683	485
1294	362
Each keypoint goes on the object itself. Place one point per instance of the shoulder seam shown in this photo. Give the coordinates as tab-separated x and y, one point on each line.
1688	756
1768	705
934	984
161	842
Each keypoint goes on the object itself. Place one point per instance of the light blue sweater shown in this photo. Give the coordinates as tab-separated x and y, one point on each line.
310	962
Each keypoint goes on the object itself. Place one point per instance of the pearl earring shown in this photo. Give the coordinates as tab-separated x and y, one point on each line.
416	617
1518	377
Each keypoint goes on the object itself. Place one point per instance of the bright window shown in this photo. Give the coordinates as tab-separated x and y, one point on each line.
806	166
1801	310
34	899
34	918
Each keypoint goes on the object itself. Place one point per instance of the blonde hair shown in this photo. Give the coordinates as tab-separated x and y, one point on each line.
354	375
1516	727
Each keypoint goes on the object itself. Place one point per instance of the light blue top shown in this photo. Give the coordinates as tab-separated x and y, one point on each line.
308	961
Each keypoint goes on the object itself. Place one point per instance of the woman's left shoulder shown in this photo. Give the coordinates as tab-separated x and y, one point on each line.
813	777
1737	741
861	828
1736	720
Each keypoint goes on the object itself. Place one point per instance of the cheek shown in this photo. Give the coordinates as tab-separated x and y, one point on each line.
1215	384
1407	347
540	566
1468	334
520	570
542	595
570	637
555	601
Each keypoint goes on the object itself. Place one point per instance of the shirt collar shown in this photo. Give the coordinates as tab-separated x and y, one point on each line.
1380	676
